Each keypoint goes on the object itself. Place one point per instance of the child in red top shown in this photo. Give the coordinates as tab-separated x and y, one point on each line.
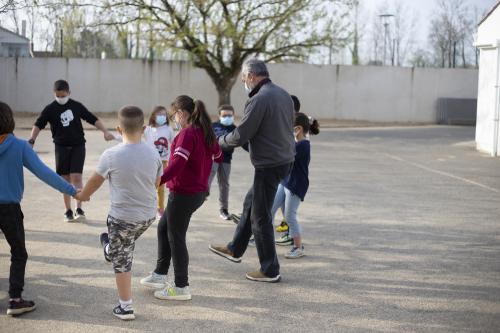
192	153
190	162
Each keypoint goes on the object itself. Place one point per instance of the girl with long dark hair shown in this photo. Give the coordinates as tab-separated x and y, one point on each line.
192	153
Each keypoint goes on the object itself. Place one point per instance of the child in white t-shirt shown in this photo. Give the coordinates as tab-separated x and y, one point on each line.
160	135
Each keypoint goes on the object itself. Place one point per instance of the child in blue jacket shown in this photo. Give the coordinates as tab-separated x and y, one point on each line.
14	154
292	190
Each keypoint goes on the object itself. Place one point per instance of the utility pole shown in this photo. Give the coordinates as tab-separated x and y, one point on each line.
61	33
385	21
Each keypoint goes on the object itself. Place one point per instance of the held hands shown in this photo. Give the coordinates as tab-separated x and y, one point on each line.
80	196
108	136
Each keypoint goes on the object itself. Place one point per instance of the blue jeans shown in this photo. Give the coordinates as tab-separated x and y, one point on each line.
291	203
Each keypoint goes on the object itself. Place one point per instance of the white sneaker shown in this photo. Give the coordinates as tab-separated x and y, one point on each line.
174	293
295	253
156	281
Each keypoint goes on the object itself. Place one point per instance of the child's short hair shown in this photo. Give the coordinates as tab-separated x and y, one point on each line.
61	85
226	107
7	123
131	119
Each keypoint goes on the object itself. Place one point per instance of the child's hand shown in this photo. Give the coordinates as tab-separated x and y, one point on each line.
108	136
80	197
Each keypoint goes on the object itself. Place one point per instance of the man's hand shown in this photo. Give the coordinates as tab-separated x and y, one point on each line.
108	136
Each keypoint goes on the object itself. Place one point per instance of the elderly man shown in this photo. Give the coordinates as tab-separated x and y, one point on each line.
267	126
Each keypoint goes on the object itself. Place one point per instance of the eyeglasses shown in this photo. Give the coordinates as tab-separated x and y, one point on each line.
171	115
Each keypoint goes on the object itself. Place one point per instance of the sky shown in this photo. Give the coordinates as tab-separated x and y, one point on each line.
425	9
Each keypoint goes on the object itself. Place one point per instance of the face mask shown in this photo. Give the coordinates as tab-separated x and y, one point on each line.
296	131
248	89
226	121
177	126
62	100
161	120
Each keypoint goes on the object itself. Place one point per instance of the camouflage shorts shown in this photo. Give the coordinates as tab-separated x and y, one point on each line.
122	237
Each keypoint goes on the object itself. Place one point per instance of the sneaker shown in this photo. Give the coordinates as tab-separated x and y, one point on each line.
68	216
156	281
104	239
80	215
284	240
295	253
119	312
19	307
235	218
224	214
173	293
251	242
223	251
261	277
283	227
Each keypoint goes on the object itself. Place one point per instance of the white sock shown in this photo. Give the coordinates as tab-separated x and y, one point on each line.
126	305
106	248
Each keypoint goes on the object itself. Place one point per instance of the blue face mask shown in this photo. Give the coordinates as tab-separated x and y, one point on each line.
227	121
161	120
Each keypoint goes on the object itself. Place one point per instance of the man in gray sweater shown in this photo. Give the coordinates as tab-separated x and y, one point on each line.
267	126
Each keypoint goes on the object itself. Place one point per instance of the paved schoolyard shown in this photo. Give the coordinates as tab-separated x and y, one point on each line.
401	228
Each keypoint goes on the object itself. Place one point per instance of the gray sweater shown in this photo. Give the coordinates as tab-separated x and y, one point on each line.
267	126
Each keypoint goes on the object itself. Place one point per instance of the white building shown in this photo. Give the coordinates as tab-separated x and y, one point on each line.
488	100
13	45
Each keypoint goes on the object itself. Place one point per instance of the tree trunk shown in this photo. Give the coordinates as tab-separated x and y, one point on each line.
224	95
224	86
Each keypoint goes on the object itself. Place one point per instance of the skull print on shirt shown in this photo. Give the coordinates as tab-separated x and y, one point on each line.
66	118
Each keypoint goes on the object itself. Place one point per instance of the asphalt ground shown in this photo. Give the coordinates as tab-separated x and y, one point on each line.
401	231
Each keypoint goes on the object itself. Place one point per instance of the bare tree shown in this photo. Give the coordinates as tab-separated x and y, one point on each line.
7	6
450	33
405	22
397	42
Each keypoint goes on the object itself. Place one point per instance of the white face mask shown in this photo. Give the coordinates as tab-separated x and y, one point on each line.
248	89
62	100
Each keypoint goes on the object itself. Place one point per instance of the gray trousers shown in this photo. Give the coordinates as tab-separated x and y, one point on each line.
223	170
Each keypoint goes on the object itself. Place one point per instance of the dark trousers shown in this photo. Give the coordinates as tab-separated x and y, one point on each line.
256	218
172	230
11	224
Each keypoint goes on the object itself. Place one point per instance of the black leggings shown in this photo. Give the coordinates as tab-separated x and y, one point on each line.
172	231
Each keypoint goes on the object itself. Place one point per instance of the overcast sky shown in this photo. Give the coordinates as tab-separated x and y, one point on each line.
425	9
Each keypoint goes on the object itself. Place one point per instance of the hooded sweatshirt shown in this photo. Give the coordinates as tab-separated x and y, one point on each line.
16	153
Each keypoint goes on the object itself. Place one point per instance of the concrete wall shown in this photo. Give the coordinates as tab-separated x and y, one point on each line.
384	94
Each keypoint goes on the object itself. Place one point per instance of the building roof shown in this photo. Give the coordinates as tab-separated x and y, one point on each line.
489	13
14	34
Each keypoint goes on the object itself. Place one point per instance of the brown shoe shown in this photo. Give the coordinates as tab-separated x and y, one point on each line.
261	277
223	251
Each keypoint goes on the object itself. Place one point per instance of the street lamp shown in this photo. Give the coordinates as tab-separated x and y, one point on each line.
385	19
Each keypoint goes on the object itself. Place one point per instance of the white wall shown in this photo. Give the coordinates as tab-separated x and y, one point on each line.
489	30
386	94
488	40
